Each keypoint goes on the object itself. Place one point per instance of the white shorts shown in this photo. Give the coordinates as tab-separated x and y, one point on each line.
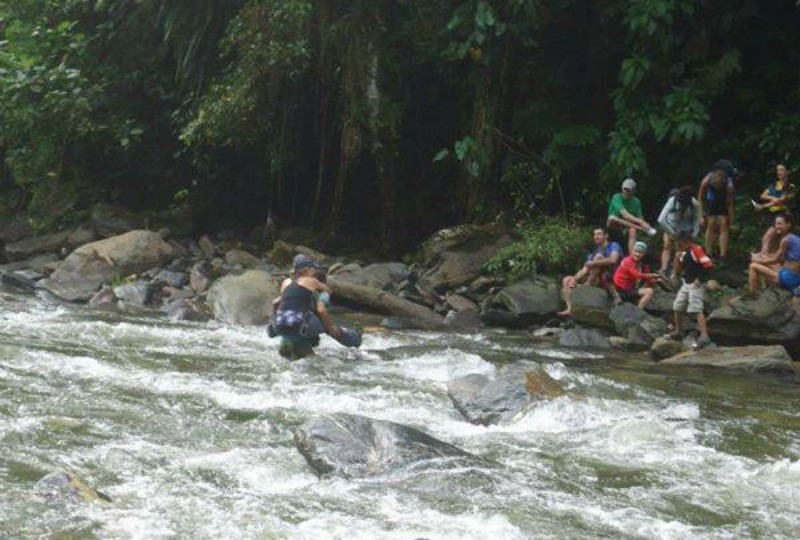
690	298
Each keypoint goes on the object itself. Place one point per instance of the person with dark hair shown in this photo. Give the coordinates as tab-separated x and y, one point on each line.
596	271
775	199
625	214
300	313
782	267
716	200
693	265
681	214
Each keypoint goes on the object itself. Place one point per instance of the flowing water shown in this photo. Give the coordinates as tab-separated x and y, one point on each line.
188	428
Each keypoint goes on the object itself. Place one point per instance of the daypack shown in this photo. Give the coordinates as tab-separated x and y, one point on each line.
702	258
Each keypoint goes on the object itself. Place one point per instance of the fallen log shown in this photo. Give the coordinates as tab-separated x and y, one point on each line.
385	303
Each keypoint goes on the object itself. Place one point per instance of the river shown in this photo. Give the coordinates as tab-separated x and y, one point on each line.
188	428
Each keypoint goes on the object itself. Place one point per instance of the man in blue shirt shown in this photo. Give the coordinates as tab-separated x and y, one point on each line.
598	270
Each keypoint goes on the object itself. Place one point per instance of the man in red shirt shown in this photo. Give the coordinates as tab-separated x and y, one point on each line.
632	274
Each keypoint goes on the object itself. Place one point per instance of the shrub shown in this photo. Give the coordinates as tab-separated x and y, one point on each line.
553	244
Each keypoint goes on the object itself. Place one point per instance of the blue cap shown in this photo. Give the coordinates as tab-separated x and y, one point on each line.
302	261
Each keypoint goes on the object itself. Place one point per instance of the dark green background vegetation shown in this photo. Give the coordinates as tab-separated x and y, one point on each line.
386	119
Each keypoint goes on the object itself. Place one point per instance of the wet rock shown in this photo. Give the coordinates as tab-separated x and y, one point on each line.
137	293
548	333
29	247
460	303
242	258
200	277
351	446
624	344
63	489
25	278
245	299
584	338
762	358
591	307
483	400
42	263
522	304
664	347
81	274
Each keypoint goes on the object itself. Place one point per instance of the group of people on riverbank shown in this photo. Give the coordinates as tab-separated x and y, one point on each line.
683	216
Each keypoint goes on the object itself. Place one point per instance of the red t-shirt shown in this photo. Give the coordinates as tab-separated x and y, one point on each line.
628	274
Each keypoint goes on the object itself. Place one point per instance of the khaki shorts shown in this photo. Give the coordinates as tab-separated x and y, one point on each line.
690	298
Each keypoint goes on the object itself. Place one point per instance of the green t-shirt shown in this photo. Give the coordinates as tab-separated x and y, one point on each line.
631	204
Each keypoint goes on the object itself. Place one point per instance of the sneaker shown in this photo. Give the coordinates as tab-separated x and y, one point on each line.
651	231
756	206
702	342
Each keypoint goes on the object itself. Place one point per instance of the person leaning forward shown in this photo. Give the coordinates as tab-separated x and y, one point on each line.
625	214
633	279
597	270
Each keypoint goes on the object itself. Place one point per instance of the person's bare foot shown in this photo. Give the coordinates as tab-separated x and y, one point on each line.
565	313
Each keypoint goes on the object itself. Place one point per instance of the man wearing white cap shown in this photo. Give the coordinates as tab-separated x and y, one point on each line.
625	213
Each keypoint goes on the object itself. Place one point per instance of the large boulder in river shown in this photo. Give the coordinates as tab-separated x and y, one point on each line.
771	317
533	301
245	299
351	445
456	256
591	307
78	277
484	400
764	358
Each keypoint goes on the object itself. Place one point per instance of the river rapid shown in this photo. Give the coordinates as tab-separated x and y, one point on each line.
188	428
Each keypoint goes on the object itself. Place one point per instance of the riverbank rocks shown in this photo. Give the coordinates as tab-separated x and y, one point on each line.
63	489
78	277
240	257
455	257
591	306
245	299
665	347
762	358
771	317
48	243
382	276
351	446
533	301
483	400
637	326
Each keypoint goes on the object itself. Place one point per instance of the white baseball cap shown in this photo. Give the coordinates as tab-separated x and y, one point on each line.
629	184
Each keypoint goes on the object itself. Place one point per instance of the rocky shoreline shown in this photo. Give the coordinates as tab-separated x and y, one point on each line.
106	265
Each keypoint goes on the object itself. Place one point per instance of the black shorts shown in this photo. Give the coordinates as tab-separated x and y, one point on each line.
629	295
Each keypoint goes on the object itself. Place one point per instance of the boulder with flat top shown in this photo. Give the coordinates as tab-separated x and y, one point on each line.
532	301
245	299
762	358
591	307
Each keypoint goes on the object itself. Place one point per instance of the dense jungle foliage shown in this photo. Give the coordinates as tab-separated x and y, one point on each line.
386	119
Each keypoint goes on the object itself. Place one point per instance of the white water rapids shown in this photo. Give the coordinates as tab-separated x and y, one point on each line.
188	428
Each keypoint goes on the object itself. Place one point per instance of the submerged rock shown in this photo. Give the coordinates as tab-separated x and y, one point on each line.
61	488
483	400
351	445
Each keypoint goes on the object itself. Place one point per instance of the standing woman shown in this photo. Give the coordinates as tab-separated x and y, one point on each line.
716	201
681	214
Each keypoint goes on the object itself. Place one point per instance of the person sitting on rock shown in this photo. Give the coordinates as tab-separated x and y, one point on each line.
775	200
693	265
300	313
716	200
632	274
681	214
597	271
782	267
625	214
